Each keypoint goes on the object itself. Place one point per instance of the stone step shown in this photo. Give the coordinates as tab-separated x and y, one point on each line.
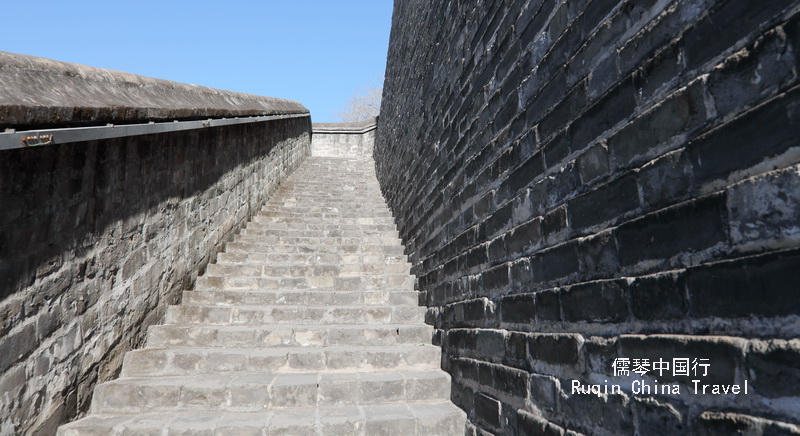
174	335
330	233
313	298
356	202
279	315
308	258
256	392
319	270
358	209
308	214
292	223
356	283
192	361
424	418
379	240
254	248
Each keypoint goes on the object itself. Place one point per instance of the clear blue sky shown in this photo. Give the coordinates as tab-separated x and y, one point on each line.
318	52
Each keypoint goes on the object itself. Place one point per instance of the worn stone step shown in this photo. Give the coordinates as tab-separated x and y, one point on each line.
262	220
329	233
319	270
358	224
311	214
250	247
308	258
255	392
379	240
191	361
359	202
355	283
362	199
261	315
315	297
174	335
429	418
334	230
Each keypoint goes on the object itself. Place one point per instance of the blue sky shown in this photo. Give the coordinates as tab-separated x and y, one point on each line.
318	52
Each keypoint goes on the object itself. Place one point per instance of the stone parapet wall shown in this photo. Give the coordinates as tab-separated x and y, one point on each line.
579	182
98	237
343	139
43	93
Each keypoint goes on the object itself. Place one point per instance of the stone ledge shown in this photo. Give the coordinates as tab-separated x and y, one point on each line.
362	127
37	92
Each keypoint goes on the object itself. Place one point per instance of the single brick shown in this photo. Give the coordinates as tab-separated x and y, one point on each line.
555	263
751	74
614	107
548	308
604	301
660	296
689	227
765	208
593	163
729	147
555	348
737	17
681	112
617	198
554	223
518	309
772	364
598	256
665	180
488	409
525	238
761	285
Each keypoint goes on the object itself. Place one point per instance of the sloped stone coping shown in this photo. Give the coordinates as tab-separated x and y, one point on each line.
362	127
38	93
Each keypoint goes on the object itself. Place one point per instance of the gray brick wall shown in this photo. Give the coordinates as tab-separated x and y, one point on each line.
98	237
578	182
343	139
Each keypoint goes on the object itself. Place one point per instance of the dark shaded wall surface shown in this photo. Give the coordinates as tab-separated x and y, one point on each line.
98	237
579	182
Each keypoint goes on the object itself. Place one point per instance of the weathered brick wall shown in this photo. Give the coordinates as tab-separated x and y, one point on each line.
578	182
343	139
98	237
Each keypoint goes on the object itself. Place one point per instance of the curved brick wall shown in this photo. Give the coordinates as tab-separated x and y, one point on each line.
582	182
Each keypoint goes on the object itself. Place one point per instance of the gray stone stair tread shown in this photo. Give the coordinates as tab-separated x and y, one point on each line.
222	297
289	335
440	418
294	315
253	392
198	360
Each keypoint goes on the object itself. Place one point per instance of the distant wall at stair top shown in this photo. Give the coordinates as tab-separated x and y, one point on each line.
344	139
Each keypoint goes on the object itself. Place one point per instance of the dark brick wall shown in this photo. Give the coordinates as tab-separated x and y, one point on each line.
97	238
582	181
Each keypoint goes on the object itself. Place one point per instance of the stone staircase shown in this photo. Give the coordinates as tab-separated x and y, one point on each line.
307	325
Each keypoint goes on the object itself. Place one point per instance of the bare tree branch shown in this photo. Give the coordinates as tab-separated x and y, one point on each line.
364	105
